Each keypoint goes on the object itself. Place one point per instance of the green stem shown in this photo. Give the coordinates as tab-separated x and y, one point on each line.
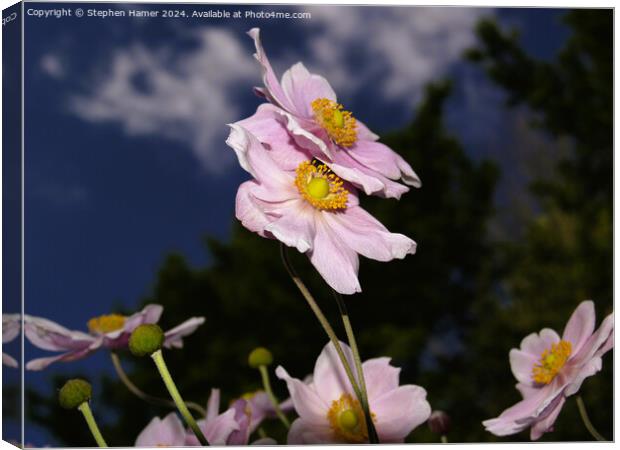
274	401
92	425
321	317
444	439
176	396
372	432
122	375
586	420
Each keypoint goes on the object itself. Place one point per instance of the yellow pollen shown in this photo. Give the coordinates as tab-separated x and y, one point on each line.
339	124
320	187
347	420
550	362
106	323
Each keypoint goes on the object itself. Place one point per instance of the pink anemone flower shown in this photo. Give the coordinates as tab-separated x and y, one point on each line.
549	369
232	427
330	413
166	432
308	107
300	202
10	330
109	331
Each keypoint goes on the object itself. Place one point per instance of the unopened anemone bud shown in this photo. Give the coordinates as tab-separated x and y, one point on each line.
146	339
260	356
74	393
439	422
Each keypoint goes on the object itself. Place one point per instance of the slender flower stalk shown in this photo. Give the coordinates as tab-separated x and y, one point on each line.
321	317
372	432
586	420
92	425
176	396
444	439
122	375
274	401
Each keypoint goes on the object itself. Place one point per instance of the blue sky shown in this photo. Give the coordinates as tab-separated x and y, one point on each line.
125	128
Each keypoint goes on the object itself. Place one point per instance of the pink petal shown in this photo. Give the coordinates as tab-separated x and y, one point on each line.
302	88
274	91
536	344
213	405
168	432
382	159
364	133
365	235
48	335
527	390
295	227
11	324
174	337
302	433
249	210
521	364
310	407
42	363
399	411
9	361
545	424
219	429
591	367
268	124
330	378
380	376
255	160
595	343
334	260
265	441
580	326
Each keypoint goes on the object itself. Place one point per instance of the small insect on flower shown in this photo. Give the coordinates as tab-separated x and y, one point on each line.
110	331
330	413
549	369
307	105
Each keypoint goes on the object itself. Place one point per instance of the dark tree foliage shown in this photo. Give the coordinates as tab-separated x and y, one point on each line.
447	315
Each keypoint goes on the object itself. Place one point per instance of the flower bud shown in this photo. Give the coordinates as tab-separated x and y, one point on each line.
439	422
74	393
146	339
260	356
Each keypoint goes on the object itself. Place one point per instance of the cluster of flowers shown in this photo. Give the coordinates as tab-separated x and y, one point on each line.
308	158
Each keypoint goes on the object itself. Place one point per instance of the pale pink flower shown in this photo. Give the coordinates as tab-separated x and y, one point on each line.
166	432
109	331
10	330
302	204
330	413
307	105
549	369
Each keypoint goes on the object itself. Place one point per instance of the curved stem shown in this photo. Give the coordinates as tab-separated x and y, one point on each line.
321	317
586	420
176	396
122	375
444	439
274	401
92	425
372	432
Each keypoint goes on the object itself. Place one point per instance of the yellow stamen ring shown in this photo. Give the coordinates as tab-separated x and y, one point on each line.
347	420
106	323
320	187
550	362
339	124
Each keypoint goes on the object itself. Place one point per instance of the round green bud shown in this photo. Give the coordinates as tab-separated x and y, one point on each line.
74	393
348	419
260	357
146	339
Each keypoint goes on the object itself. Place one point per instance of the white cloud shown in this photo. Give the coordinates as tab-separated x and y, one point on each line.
52	66
187	98
402	48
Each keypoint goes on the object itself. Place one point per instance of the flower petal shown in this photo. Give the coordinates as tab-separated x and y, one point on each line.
302	433
48	335
365	235
11	323
302	88
42	363
399	411
310	407
168	432
219	429
330	378
174	337
295	227
596	343
580	326
273	91
545	424
9	361
521	364
591	367
213	405
333	259
380	376
534	344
